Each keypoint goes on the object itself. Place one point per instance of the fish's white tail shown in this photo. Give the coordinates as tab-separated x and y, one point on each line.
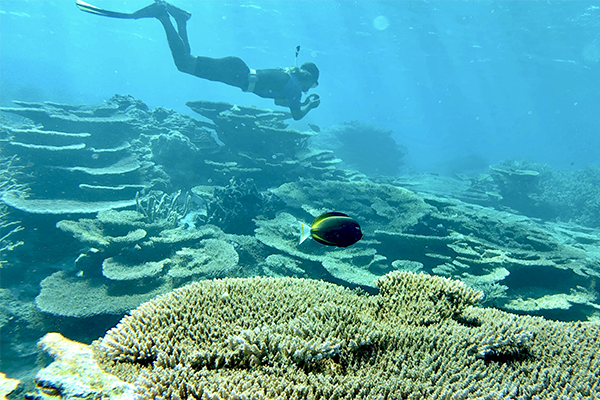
304	232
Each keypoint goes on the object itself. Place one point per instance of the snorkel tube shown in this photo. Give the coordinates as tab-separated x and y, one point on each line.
297	52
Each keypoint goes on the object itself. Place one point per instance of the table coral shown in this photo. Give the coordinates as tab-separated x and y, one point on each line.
76	155
213	258
420	337
144	247
505	254
350	264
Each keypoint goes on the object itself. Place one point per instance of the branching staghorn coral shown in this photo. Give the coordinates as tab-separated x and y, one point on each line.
157	208
286	338
9	172
8	229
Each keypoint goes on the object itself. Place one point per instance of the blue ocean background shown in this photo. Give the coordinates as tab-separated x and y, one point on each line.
463	84
498	99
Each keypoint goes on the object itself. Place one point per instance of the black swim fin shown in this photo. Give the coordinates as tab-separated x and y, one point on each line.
83	6
150	11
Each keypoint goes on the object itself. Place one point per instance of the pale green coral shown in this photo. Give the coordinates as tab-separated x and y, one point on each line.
80	297
379	206
265	338
214	258
115	270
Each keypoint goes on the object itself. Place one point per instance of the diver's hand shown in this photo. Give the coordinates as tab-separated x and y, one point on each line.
313	101
308	104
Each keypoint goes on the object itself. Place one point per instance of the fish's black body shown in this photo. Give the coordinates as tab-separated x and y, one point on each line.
335	229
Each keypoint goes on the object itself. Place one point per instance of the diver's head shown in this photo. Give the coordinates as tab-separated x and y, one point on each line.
312	69
308	76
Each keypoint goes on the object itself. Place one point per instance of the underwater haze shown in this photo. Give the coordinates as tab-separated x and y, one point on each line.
462	84
447	186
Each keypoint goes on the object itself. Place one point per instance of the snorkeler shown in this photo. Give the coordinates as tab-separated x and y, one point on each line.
285	86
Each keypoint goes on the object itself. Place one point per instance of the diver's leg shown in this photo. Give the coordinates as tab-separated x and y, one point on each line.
229	70
232	71
181	17
182	30
180	49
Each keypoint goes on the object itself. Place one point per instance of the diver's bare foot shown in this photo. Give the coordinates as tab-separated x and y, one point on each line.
177	13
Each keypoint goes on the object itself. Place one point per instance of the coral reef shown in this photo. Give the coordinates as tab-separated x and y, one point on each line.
537	190
68	295
259	145
269	338
77	154
162	209
515	182
74	374
8	230
572	195
119	148
213	258
234	206
7	386
221	197
379	155
256	133
9	227
148	247
350	265
494	251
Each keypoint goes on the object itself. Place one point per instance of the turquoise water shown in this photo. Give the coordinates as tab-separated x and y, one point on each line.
458	82
458	85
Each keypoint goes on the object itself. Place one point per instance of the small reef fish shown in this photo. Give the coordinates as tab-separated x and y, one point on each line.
332	229
315	128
